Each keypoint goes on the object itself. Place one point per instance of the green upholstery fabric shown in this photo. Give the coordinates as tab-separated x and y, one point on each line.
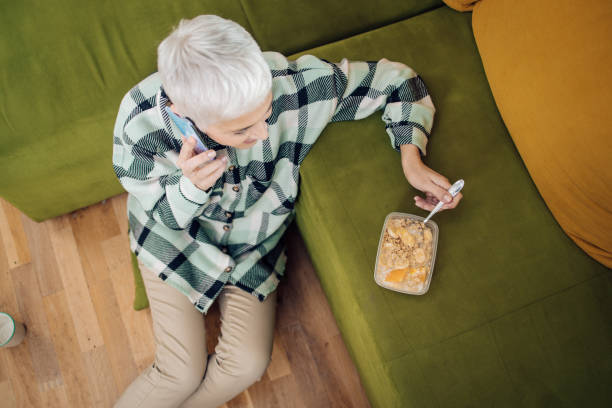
65	69
516	313
289	26
274	31
67	66
141	301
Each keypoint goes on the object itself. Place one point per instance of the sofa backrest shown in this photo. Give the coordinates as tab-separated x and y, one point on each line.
67	65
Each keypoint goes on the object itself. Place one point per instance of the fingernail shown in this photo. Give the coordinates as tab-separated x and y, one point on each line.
448	198
211	154
224	159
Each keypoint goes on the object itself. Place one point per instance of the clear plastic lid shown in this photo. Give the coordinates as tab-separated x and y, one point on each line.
406	253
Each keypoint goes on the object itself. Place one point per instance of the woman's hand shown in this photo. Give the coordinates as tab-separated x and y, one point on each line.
434	185
201	169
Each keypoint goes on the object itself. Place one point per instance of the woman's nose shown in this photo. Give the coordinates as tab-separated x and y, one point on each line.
261	130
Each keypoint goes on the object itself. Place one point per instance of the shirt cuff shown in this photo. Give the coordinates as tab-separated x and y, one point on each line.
193	193
406	134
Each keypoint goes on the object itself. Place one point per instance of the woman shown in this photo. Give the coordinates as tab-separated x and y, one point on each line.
208	224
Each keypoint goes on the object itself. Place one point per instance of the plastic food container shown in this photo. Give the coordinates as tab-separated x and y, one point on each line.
406	254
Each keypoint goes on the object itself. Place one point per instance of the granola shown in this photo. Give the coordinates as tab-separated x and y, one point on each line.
405	255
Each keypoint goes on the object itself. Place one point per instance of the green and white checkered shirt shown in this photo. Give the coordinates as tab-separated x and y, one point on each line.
199	241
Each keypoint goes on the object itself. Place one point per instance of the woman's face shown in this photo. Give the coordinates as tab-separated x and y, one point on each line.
245	131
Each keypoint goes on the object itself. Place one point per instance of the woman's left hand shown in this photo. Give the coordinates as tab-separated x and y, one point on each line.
433	184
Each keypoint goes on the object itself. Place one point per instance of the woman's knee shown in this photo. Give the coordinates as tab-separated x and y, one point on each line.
247	367
255	366
182	378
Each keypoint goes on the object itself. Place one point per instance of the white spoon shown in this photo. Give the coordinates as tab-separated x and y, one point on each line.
453	190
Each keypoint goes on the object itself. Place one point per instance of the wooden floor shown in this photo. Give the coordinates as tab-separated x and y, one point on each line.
69	279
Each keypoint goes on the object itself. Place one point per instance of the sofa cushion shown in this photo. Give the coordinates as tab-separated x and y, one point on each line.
65	69
549	64
504	267
461	5
289	26
141	300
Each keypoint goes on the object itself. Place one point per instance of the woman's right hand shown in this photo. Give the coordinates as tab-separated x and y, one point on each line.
200	168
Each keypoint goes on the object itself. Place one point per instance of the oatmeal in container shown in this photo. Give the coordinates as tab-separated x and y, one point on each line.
406	253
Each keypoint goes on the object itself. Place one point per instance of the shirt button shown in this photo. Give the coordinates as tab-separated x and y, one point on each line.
236	188
228	269
226	227
224	249
228	214
231	168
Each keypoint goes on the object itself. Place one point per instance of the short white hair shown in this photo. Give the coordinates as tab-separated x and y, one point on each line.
212	70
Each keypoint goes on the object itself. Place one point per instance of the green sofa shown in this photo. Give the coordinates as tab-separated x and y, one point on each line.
516	315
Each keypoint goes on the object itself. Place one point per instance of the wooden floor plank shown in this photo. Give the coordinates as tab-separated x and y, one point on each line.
4	370
75	285
312	391
88	237
13	235
55	398
68	351
115	335
279	364
119	204
7	394
105	211
315	317
287	392
138	324
32	313
8	300
99	374
43	257
212	323
22	376
242	400
79	265
331	358
262	395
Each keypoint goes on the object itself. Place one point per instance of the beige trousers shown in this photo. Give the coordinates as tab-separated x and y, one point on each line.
183	374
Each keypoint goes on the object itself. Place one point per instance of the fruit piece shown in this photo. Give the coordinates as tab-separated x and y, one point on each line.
419	255
427	235
407	238
419	278
393	231
395	227
396	275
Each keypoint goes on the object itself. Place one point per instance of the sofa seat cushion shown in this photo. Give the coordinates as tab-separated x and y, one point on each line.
512	300
549	64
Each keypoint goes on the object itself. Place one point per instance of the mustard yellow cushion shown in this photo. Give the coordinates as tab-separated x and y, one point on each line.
549	65
461	5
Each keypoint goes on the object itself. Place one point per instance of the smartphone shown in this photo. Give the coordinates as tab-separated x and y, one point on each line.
187	130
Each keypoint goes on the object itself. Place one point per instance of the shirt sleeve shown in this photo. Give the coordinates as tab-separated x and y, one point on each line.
365	87
142	163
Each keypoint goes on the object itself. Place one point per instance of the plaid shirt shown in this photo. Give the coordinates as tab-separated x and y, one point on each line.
199	241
